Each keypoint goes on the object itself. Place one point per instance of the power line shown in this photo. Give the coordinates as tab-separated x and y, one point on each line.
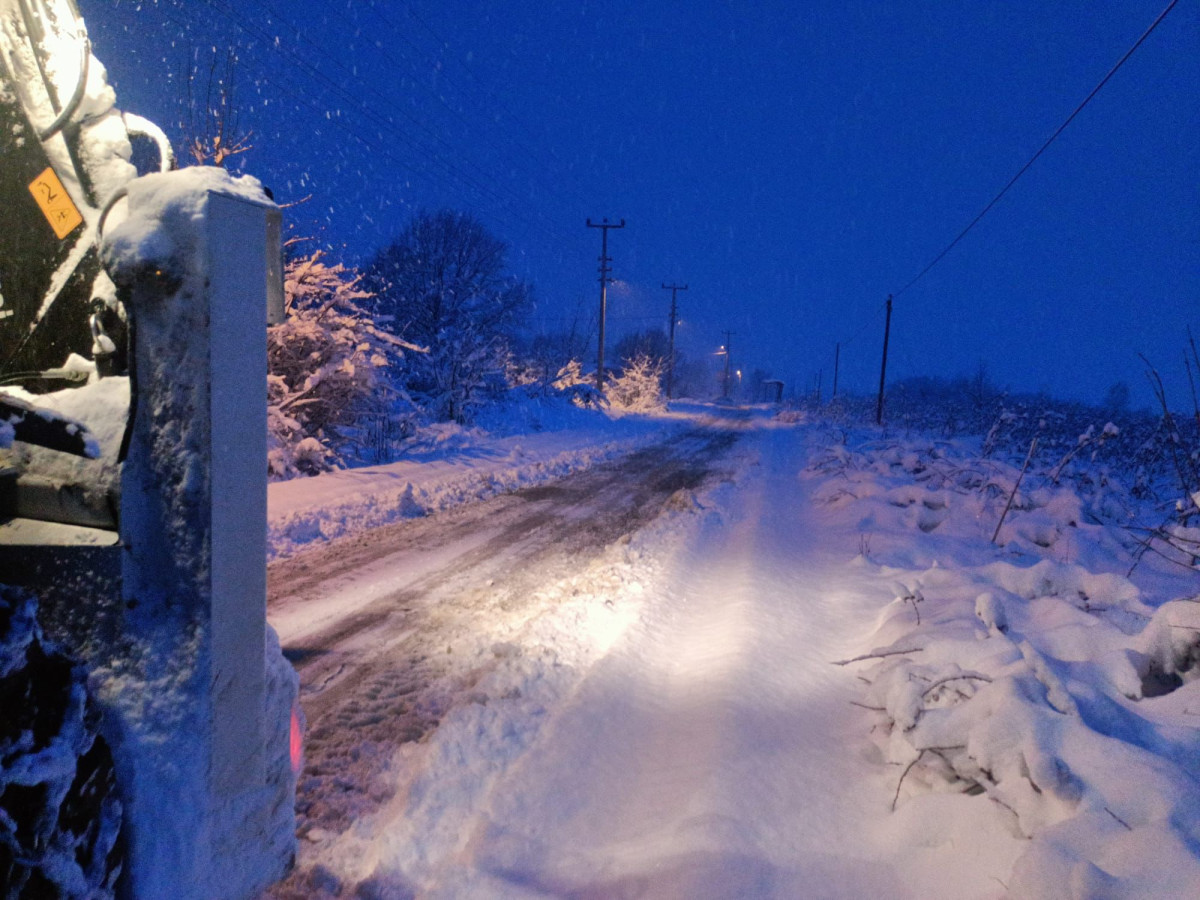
871	320
609	318
1025	168
862	328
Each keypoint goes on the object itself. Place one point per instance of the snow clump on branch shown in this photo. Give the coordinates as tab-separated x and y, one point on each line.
327	365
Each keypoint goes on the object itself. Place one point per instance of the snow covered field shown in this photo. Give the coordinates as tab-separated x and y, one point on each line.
811	676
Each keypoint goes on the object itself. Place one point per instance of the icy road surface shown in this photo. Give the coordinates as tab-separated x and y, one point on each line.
623	688
391	628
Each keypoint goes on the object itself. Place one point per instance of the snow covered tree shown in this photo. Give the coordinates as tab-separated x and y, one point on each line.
212	122
443	284
549	353
638	387
327	368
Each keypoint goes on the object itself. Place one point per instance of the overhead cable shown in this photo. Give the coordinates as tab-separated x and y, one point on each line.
1025	168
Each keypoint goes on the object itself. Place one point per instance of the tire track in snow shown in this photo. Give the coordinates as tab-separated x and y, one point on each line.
384	674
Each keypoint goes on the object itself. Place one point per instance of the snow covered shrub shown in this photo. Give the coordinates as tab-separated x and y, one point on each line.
1034	678
523	373
579	387
550	353
991	702
59	813
638	388
791	416
454	382
998	432
327	365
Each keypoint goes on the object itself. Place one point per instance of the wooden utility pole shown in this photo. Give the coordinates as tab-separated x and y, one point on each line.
605	259
728	356
837	358
887	330
673	288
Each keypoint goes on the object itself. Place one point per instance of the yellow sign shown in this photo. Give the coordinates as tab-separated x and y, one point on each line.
55	203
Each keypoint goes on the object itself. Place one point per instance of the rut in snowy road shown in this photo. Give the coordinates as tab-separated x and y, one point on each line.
390	628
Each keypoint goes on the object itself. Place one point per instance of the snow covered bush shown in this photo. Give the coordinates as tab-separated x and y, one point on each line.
1020	697
550	353
59	814
328	367
579	387
638	387
1029	672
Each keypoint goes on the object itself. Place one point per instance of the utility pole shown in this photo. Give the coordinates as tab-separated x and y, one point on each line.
837	357
887	330
728	356
605	259
673	288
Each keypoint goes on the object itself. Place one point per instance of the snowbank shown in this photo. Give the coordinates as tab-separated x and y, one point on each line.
452	467
1034	675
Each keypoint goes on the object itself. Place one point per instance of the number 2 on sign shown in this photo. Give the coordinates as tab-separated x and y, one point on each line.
55	203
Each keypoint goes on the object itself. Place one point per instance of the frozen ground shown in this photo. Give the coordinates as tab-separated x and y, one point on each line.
522	705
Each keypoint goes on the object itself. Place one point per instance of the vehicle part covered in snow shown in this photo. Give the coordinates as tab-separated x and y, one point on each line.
60	816
169	610
22	421
64	155
64	159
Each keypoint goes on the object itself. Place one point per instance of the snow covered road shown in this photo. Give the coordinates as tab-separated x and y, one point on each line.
623	685
391	628
660	720
715	751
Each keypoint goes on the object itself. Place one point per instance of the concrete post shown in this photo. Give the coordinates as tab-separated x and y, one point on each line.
202	695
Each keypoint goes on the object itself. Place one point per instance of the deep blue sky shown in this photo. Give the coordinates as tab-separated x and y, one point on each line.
793	162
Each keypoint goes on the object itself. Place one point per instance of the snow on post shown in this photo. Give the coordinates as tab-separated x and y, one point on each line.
203	743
